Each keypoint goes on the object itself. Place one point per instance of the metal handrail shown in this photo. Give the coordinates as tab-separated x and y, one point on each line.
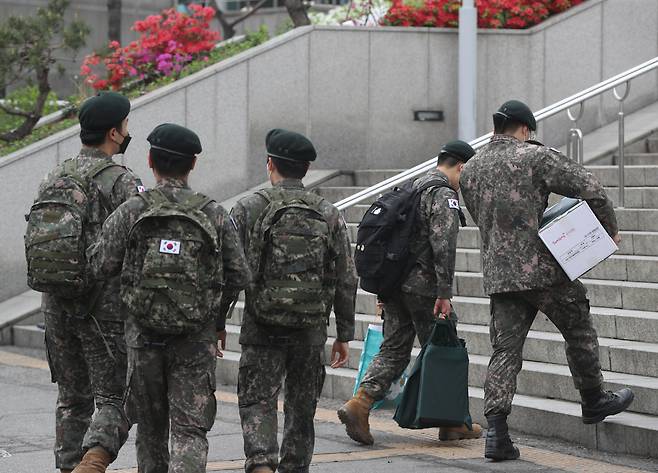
547	112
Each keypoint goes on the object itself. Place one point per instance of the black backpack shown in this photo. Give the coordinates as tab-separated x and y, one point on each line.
383	258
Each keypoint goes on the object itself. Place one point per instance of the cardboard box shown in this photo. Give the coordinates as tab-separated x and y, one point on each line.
575	237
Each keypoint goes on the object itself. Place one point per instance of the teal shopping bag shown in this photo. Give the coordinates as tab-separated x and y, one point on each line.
436	393
372	342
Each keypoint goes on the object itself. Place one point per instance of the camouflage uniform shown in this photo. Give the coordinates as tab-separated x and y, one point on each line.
411	312
170	378
506	188
269	353
87	356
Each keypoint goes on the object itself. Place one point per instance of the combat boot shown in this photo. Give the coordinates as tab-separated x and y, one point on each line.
64	471
96	460
460	433
499	446
354	414
598	404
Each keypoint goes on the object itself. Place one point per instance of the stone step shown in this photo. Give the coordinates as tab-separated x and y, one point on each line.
633	175
628	432
632	325
652	144
629	219
601	292
637	159
541	377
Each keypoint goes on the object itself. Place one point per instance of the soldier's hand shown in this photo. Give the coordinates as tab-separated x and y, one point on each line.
340	353
221	343
442	308
617	239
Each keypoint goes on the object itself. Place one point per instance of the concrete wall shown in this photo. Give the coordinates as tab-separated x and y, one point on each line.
353	92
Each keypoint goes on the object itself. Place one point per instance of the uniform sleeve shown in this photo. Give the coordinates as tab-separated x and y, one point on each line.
443	230
106	255
568	178
467	184
237	274
126	186
346	283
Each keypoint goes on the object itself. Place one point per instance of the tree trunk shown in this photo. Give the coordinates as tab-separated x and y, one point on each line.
35	115
227	28
297	12
114	20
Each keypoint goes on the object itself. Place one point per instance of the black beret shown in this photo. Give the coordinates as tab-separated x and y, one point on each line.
289	145
519	112
175	139
104	111
459	149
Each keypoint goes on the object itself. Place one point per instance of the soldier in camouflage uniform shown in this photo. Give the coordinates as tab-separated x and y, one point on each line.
171	378
272	352
506	188
84	336
425	294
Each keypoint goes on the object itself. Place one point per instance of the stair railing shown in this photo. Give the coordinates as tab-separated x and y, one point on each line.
575	136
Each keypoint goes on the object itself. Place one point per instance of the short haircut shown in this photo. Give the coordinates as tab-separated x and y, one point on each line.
290	169
169	164
448	160
505	125
96	138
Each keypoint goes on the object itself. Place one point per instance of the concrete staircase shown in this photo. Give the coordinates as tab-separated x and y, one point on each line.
623	294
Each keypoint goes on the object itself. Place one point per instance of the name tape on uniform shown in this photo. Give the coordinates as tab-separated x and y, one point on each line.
171	247
453	203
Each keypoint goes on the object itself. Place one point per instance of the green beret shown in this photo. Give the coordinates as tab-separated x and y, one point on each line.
104	111
289	145
518	112
459	149
175	139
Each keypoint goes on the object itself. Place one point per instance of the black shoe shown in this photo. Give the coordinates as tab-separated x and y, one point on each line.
499	446
609	404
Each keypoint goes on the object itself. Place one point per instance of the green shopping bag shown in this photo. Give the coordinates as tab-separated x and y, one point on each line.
436	393
371	343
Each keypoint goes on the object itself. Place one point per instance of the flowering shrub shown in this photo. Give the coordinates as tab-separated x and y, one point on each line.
355	13
167	42
515	14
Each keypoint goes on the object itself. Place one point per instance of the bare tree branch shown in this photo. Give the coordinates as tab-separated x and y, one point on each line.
253	10
14	111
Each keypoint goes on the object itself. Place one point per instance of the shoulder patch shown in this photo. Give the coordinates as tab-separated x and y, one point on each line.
141	188
453	203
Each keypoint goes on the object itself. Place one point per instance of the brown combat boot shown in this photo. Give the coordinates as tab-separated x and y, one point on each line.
96	460
460	433
354	414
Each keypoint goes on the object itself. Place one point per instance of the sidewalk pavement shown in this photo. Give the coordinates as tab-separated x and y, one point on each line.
27	401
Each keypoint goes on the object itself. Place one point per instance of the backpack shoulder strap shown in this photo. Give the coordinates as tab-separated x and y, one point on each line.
197	201
437	183
153	197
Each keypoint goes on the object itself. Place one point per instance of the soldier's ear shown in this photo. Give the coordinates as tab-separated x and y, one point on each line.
150	161
193	163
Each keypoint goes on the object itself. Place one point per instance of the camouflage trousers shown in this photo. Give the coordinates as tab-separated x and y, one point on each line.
87	360
262	369
405	317
512	315
172	384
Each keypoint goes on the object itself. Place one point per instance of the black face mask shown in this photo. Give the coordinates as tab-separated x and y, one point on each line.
124	144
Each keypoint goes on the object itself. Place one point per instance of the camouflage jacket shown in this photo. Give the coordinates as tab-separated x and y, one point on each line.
107	255
435	240
505	187
114	186
244	214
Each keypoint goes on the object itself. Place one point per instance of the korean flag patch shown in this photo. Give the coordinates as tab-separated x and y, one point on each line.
170	247
141	189
453	204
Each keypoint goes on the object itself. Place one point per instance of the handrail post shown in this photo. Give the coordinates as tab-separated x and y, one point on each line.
575	136
621	140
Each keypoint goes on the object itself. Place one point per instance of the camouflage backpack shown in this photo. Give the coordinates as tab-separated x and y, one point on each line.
57	232
290	256
172	269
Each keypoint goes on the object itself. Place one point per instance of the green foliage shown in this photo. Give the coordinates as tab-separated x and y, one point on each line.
24	99
29	41
217	55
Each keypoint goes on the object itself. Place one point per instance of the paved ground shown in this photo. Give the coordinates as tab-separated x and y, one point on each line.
27	400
